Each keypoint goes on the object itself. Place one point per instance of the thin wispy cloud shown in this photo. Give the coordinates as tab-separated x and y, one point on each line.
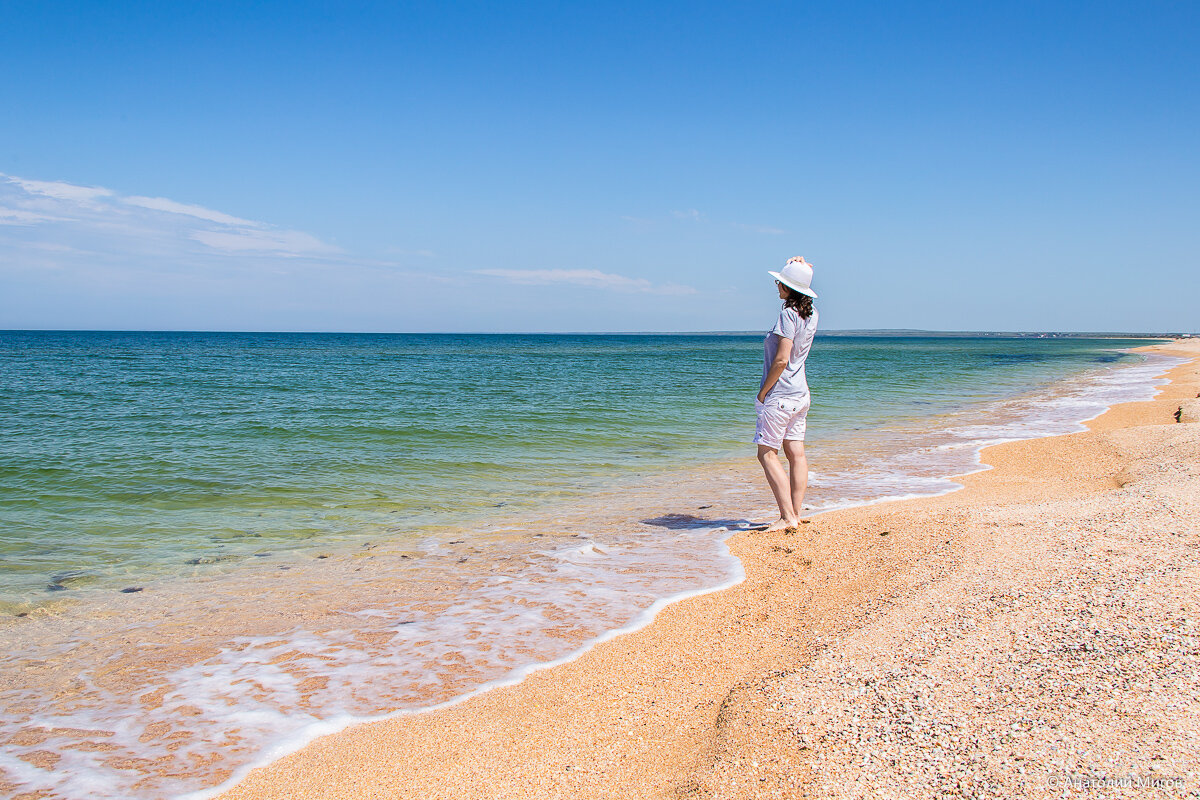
16	216
108	222
58	191
100	258
277	242
86	256
588	278
199	212
690	214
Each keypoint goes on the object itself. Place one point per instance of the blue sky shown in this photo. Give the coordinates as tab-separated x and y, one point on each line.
608	166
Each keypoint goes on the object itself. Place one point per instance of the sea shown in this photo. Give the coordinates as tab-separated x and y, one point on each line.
215	547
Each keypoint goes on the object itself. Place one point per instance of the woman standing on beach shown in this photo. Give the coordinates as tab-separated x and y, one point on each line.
783	397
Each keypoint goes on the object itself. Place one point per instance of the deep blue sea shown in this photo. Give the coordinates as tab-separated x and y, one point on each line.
191	510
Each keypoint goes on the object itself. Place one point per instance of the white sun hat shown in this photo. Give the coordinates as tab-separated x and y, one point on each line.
796	274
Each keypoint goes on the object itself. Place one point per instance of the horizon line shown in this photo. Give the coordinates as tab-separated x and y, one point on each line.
833	331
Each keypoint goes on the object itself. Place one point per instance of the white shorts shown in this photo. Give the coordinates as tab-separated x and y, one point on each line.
781	418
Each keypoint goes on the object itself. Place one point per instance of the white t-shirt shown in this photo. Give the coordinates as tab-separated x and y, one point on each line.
793	382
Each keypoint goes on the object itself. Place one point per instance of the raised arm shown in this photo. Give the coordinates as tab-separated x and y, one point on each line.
782	355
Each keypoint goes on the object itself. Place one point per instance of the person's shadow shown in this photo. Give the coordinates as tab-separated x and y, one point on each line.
683	522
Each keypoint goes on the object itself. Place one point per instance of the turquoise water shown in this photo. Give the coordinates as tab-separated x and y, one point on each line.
132	452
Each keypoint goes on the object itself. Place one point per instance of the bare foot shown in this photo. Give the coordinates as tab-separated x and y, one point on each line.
782	525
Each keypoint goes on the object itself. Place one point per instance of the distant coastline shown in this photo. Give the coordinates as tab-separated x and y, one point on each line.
1013	334
917	333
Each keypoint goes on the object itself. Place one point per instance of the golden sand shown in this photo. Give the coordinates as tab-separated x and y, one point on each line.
1035	627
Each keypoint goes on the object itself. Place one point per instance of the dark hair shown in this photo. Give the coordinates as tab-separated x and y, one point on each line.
799	301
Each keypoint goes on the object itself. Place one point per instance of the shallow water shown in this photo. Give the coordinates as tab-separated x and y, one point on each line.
334	527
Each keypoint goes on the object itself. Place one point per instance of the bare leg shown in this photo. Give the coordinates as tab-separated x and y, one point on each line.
798	469
778	479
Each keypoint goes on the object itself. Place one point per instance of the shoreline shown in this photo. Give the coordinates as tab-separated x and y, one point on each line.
645	752
204	561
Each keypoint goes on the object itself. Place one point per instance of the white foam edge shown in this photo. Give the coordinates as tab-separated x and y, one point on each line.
980	446
1170	362
300	739
887	498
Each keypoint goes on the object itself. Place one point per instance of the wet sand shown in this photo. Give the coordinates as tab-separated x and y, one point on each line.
1038	625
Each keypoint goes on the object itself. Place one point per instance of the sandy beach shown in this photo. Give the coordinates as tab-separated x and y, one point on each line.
1036	627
